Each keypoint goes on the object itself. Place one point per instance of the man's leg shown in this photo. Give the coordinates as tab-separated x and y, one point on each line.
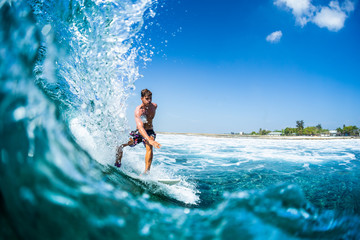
119	152
148	156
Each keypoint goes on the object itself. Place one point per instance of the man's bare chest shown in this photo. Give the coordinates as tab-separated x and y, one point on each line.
148	114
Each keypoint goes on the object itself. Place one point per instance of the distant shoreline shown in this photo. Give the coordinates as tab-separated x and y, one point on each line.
262	136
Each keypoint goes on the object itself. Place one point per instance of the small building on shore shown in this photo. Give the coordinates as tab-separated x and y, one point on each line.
274	133
333	133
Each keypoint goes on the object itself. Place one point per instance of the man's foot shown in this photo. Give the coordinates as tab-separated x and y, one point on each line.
117	164
144	173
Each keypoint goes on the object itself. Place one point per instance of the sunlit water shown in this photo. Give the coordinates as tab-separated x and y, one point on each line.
67	69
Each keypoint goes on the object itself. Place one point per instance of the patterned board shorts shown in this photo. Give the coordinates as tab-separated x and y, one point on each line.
138	138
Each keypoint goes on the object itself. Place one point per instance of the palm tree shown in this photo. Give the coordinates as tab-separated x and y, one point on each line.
300	126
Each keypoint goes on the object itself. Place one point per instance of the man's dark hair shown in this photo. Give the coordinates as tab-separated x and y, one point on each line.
145	93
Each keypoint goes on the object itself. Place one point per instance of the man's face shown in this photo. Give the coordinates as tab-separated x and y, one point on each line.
146	100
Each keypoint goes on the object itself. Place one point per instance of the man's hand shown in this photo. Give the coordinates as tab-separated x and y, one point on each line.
154	143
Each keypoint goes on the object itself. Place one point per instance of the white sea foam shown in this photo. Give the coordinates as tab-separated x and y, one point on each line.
238	150
183	156
133	163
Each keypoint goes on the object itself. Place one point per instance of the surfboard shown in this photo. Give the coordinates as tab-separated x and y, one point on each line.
140	179
169	181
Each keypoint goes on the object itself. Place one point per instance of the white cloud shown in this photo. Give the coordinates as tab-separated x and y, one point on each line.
331	17
334	16
348	6
301	9
274	37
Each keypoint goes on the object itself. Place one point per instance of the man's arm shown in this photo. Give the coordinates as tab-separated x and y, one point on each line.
155	106
142	131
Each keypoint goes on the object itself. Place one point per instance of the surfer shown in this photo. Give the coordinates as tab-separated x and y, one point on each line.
144	115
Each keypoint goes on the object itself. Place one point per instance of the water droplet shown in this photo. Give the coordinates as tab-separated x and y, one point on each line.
145	230
46	29
19	113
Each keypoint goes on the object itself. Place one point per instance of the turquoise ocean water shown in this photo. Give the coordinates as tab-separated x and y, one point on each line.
67	69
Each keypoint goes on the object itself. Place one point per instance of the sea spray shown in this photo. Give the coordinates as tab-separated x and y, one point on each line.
97	67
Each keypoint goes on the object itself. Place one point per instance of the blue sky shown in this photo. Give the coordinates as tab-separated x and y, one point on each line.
230	66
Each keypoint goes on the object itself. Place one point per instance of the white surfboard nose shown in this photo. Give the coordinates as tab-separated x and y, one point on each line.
169	181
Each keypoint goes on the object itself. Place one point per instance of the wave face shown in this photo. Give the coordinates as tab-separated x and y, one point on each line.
67	69
95	68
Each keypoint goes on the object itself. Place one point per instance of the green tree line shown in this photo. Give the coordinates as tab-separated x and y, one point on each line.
317	130
301	130
348	131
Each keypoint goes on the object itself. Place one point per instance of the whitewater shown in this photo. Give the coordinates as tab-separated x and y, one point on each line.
67	70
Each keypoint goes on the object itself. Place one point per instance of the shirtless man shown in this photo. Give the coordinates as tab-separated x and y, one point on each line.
144	115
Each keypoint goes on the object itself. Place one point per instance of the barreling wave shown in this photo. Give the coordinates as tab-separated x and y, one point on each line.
66	71
96	66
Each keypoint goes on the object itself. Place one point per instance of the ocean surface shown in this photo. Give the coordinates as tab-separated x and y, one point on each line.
67	69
